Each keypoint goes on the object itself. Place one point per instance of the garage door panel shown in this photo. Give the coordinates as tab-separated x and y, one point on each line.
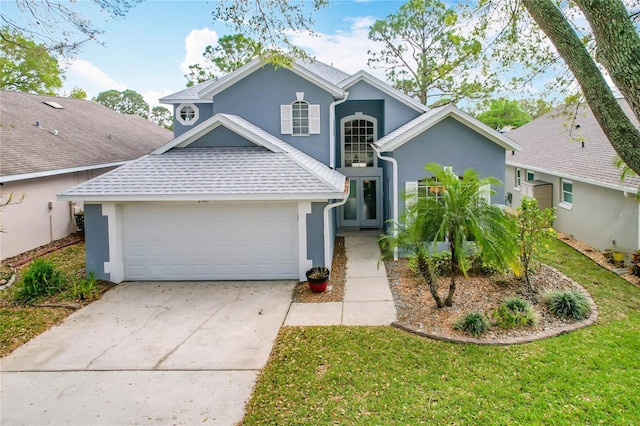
210	242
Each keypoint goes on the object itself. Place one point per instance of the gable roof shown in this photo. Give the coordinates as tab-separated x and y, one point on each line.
316	72
40	140
272	170
420	124
383	87
548	147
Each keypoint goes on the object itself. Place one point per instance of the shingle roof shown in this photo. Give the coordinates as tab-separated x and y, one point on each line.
553	143
232	173
83	134
327	72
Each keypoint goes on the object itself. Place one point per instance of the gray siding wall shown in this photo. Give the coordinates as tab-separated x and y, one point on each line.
598	215
450	143
396	113
257	98
96	233
221	137
205	111
315	235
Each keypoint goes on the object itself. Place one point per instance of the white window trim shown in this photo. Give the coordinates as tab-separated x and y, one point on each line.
564	204
184	122
286	117
358	116
518	179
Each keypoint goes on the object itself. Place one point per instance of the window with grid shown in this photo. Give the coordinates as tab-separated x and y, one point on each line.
567	192
300	118
518	177
357	135
430	188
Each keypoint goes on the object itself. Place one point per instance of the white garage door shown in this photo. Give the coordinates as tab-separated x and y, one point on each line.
210	241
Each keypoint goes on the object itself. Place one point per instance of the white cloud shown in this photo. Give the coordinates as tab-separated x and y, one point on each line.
195	43
90	78
152	97
345	50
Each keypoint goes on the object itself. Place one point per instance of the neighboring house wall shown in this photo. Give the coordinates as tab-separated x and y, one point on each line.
31	223
259	103
450	144
597	217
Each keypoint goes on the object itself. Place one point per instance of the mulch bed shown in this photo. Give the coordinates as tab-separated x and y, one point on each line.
335	289
28	256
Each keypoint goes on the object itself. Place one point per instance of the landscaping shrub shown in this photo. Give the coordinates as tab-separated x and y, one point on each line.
515	312
475	323
568	304
84	288
40	280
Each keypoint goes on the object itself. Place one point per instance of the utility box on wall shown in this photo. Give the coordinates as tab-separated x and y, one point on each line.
541	191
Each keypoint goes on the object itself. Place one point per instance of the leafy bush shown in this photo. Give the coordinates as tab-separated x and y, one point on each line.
568	304
84	288
475	323
515	312
40	280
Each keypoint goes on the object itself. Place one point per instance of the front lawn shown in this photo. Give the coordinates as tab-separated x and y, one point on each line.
380	375
19	323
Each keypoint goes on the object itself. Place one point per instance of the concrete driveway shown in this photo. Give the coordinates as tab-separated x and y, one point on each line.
148	353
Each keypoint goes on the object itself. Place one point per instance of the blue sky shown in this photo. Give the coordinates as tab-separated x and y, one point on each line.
148	50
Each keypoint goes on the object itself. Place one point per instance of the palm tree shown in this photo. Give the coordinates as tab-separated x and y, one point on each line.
456	212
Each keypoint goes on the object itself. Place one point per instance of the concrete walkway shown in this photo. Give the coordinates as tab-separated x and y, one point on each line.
367	296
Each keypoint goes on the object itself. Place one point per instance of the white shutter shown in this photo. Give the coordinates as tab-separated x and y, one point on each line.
314	119
485	192
285	120
411	194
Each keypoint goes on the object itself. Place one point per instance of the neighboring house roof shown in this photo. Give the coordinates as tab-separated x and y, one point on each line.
383	87
37	139
418	125
273	170
552	144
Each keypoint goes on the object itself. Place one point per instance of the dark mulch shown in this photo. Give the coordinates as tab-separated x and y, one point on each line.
335	289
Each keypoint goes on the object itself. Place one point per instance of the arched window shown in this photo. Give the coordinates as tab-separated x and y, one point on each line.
300	118
358	132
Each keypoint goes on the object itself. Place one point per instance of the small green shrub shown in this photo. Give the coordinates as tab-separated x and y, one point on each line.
84	288
568	304
475	323
515	312
441	263
40	280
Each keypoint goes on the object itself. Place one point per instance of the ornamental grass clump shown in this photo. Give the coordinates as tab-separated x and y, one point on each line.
40	280
515	312
568	304
475	323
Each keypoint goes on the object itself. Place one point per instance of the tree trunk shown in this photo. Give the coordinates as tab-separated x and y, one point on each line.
618	46
454	271
425	271
452	288
622	134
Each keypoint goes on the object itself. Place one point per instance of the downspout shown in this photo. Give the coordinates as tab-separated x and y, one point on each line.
327	255
394	184
332	130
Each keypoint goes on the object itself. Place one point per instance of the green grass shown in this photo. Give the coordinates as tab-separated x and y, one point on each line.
19	324
380	375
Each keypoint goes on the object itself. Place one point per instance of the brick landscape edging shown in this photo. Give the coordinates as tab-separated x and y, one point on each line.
556	331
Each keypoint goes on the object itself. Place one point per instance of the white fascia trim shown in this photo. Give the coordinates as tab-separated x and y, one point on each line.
382	86
209	124
455	113
315	196
185	101
115	266
304	264
334	90
35	175
574	177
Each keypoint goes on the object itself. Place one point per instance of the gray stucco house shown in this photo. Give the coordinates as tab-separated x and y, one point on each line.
571	162
265	165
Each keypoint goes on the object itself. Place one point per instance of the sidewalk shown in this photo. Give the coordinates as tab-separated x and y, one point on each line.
367	296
